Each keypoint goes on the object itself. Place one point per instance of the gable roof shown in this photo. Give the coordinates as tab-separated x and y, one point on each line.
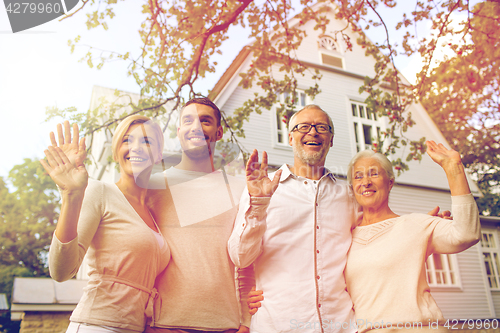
46	291
228	74
44	294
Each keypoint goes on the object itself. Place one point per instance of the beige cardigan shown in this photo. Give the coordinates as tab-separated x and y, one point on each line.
124	258
385	271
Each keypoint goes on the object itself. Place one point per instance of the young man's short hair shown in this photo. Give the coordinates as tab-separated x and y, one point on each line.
207	102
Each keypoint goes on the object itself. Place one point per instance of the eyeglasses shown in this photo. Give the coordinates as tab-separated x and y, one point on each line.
305	128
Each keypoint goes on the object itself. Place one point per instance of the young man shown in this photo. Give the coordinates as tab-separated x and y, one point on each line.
298	241
195	211
195	207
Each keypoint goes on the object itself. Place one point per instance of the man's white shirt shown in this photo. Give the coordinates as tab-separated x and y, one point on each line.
298	242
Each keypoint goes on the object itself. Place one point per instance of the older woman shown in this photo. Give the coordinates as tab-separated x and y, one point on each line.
385	272
111	221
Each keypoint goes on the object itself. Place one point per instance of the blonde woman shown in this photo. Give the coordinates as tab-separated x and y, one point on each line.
112	223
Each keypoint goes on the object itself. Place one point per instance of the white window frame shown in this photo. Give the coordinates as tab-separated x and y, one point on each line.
364	121
280	126
448	276
493	263
328	46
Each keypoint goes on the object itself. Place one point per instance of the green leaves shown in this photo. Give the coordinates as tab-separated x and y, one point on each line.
462	97
27	218
29	210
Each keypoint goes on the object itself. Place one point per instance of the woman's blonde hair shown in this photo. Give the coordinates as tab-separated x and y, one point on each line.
123	127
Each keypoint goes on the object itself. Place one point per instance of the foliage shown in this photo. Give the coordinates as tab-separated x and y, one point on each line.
27	217
177	51
7	275
27	220
462	96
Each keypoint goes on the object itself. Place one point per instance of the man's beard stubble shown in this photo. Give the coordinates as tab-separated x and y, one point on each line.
201	152
311	159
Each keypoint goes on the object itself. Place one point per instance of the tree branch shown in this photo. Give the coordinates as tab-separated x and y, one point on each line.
206	35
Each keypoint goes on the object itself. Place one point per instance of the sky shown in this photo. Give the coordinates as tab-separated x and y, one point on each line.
38	71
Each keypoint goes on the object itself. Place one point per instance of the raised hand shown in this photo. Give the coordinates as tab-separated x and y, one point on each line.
451	162
446	214
68	177
441	155
74	150
258	183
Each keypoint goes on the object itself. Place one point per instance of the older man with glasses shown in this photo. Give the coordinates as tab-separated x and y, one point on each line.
298	241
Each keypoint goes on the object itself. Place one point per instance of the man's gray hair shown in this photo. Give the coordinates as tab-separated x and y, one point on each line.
308	107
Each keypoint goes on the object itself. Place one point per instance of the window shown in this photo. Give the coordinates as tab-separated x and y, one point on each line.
330	52
281	122
489	246
367	126
328	43
442	270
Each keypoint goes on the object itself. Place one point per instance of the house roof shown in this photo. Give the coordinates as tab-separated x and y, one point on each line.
228	74
46	291
4	304
243	54
44	294
492	221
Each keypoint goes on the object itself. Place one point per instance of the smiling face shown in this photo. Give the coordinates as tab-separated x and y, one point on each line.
198	131
371	184
310	148
139	150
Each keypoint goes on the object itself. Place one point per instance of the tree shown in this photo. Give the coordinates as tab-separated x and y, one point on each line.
177	52
27	220
462	95
28	217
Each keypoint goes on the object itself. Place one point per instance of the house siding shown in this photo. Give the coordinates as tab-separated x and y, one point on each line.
354	61
495	295
471	302
260	133
405	199
337	92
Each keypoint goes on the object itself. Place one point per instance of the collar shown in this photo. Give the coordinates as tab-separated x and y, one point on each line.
286	173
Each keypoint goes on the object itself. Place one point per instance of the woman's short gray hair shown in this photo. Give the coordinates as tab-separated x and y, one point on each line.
381	158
